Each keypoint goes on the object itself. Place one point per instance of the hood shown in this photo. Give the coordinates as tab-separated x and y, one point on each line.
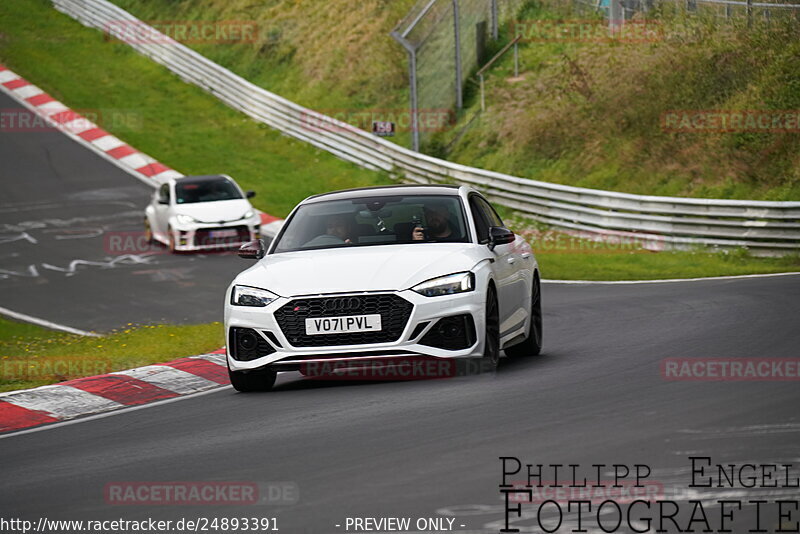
372	268
212	212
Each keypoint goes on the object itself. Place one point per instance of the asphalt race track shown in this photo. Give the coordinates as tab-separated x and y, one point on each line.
69	225
428	448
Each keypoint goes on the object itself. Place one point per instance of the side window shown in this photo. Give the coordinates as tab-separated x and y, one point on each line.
481	223
163	193
491	215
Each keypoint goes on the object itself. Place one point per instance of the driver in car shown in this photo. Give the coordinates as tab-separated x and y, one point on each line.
339	229
439	228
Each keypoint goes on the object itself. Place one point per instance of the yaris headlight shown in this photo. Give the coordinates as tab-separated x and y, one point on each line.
249	214
447	285
185	219
251	296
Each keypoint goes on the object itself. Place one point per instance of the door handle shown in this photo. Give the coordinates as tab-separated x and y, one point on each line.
526	255
511	260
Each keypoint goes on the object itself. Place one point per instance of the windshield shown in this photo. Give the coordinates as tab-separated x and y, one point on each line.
206	191
374	221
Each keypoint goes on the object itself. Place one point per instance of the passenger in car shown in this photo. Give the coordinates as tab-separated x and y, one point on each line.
439	228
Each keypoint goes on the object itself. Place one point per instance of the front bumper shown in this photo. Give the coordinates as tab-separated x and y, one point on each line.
198	237
424	323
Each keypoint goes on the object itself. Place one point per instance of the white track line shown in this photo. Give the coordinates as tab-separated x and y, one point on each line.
665	281
45	323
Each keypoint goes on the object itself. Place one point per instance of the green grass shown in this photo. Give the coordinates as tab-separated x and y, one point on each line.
644	265
174	122
570	256
589	114
32	356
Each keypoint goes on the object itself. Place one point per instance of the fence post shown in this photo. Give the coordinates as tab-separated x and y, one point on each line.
457	39
749	13
495	21
412	86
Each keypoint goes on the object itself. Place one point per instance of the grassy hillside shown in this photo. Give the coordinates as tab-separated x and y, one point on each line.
585	113
592	114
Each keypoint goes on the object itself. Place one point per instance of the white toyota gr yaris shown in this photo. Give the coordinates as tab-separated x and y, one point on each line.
201	213
382	274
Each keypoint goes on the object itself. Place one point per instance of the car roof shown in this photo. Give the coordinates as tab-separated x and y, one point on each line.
202	178
383	190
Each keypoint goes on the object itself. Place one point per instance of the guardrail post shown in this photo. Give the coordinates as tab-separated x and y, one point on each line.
749	13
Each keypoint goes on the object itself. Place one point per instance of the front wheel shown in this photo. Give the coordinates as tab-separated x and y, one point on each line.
247	381
533	343
171	240
148	231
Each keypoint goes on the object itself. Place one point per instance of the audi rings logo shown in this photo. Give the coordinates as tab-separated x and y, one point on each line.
342	304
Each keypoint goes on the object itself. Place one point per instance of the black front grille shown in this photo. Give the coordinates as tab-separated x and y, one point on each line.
246	345
394	312
203	236
451	333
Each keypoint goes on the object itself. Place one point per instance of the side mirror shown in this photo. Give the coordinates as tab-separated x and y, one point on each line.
253	250
499	236
163	201
250	194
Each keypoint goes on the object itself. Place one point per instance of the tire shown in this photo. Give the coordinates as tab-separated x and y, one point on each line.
248	381
148	231
491	340
533	343
171	240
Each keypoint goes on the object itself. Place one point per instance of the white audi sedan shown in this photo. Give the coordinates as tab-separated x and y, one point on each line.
374	276
201	213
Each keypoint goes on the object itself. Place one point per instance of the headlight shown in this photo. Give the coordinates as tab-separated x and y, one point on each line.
249	214
185	219
251	296
447	285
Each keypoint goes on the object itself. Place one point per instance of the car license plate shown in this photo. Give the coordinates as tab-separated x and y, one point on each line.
214	234
343	325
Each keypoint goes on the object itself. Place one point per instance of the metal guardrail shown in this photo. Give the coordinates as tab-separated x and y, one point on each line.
766	227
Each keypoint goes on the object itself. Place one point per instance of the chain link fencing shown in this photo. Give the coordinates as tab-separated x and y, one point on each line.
446	40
